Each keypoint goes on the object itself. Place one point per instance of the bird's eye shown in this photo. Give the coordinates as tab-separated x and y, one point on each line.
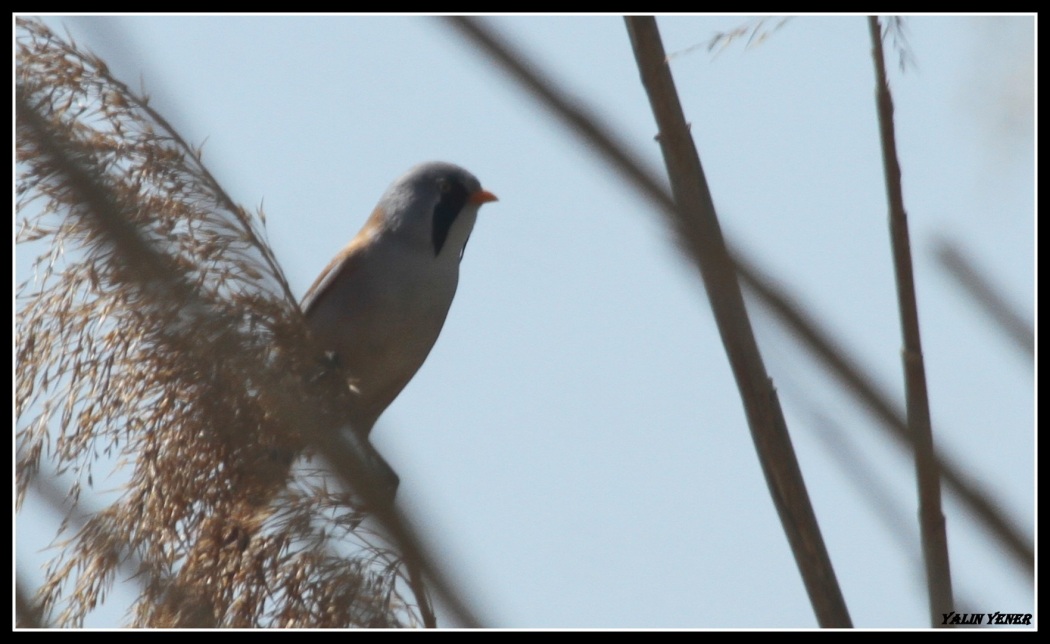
444	185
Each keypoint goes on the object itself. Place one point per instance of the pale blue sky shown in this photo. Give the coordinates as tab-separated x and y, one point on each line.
575	448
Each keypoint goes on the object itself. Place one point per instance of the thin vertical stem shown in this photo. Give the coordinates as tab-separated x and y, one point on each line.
931	518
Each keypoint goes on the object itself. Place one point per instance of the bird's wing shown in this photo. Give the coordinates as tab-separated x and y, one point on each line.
343	264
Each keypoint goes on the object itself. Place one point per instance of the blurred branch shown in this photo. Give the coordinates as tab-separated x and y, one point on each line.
931	516
965	272
855	465
848	371
27	614
698	227
585	125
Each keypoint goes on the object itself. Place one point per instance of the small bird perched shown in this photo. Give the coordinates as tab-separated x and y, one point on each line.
378	307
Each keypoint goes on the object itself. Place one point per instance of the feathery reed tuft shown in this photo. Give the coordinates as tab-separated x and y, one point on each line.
158	337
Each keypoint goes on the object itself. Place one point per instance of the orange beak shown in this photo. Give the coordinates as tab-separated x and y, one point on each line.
482	196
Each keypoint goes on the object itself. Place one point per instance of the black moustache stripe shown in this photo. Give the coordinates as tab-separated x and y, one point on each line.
446	211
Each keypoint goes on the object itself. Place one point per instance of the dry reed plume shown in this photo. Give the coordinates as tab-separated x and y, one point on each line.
159	338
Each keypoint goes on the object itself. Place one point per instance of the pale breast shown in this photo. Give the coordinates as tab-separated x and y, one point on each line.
382	320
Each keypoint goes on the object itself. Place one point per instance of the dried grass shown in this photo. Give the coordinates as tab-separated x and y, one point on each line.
159	336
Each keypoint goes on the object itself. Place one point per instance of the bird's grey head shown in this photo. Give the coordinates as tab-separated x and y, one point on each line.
436	204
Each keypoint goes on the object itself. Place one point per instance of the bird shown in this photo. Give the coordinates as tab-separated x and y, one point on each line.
378	307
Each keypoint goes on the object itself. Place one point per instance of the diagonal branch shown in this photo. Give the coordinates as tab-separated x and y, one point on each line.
987	295
698	227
